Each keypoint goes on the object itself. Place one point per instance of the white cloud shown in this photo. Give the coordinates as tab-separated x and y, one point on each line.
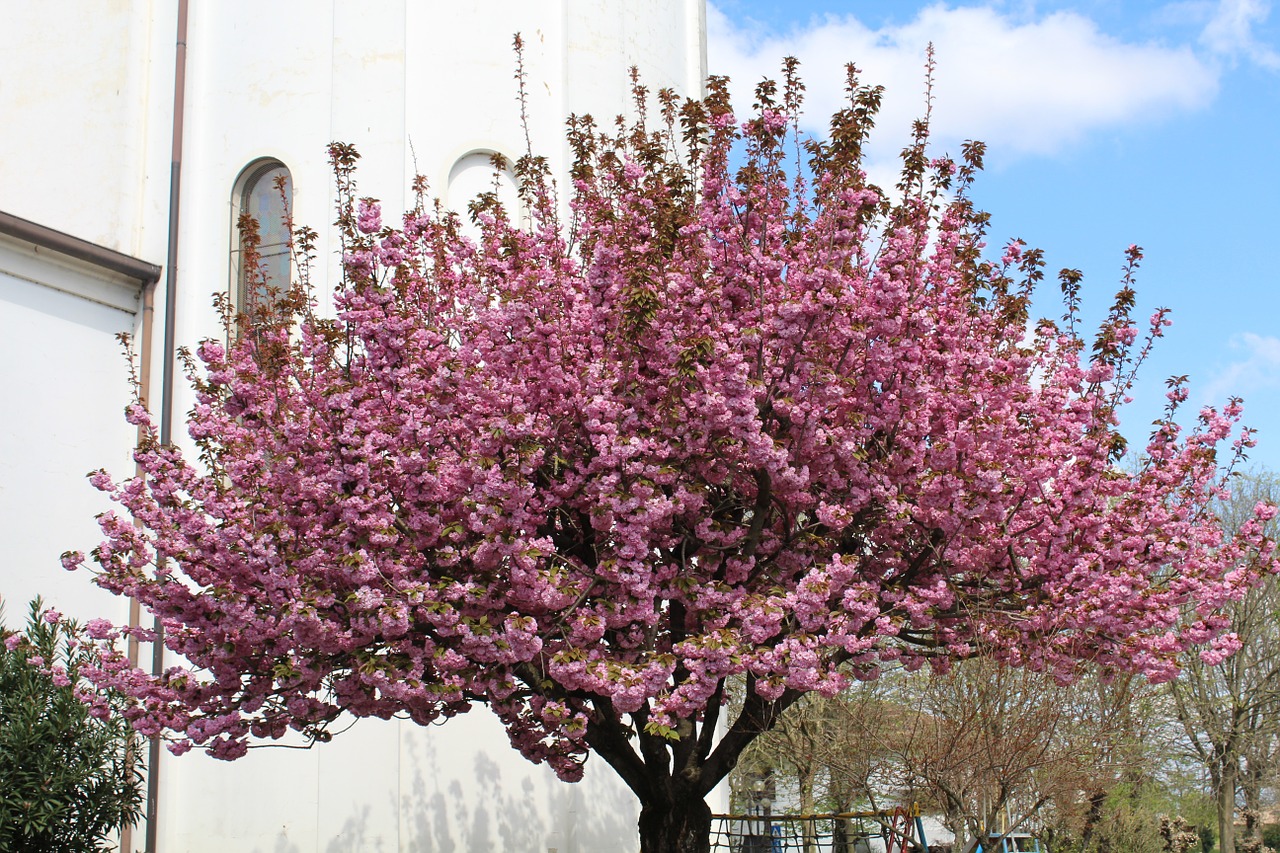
1229	32
1257	371
1021	83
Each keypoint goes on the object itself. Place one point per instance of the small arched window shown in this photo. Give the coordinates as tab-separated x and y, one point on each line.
474	173
263	191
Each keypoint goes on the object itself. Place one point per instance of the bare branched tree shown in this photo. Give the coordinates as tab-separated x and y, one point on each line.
1230	711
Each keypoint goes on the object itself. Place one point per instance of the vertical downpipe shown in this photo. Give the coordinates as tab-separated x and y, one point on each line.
144	388
166	399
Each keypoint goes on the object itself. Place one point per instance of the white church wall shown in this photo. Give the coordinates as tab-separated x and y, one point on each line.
417	87
397	787
65	385
85	101
661	38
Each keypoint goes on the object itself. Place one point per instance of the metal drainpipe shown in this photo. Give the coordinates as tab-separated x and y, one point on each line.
144	383
166	391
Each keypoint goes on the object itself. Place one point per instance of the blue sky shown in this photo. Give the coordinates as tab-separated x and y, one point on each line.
1156	123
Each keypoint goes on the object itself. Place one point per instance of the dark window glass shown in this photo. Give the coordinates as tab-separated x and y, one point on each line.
259	196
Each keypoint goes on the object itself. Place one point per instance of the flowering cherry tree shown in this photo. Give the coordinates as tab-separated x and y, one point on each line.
728	413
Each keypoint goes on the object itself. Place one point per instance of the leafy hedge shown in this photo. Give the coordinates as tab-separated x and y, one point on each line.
69	777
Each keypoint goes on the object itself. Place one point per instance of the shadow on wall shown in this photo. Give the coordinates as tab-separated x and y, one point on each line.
357	837
282	845
424	810
503	803
601	812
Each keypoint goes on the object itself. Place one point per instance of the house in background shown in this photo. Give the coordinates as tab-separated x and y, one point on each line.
135	133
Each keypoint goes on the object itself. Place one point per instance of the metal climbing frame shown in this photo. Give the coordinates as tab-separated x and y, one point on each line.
888	831
1014	842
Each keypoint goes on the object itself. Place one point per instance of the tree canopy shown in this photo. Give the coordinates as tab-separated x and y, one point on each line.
731	412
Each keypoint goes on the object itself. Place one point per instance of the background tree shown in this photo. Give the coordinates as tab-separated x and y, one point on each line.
795	755
987	748
1092	766
1230	711
825	754
756	422
992	747
867	720
1133	786
70	775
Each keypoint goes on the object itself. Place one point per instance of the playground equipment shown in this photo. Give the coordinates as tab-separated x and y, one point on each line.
896	830
1006	838
1013	842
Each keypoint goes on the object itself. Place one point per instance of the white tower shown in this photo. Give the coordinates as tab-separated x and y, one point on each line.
135	132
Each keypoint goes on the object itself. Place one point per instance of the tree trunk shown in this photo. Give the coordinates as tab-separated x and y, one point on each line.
810	844
1251	783
1097	801
840	837
681	825
1227	809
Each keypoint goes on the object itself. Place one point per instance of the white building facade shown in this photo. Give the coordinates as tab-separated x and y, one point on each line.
134	131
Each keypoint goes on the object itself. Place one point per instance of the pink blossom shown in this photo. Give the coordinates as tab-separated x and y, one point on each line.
100	629
369	216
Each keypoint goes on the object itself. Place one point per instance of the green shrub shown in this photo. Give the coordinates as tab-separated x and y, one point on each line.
1271	835
68	779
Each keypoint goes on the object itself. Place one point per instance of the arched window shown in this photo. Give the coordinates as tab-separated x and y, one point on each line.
264	191
473	174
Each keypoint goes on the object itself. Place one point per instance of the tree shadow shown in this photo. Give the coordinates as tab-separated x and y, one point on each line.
282	845
356	836
474	794
601	814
